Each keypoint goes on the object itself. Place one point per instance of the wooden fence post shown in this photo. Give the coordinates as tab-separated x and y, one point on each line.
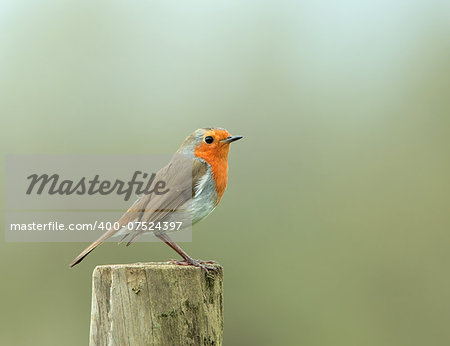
156	304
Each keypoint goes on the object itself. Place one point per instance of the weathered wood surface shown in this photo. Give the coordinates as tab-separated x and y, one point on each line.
156	304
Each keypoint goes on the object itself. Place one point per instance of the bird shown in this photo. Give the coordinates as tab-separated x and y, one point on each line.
196	177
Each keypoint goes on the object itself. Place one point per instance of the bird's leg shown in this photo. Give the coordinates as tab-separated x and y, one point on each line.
188	260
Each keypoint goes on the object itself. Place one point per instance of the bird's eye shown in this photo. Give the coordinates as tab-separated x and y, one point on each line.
209	139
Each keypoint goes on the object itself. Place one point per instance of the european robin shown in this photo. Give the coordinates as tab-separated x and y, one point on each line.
197	178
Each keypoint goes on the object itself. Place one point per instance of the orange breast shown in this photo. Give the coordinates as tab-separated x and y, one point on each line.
219	167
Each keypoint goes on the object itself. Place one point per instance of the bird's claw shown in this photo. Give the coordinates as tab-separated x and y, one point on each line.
179	262
196	263
206	262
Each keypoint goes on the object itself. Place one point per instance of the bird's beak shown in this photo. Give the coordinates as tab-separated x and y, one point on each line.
231	139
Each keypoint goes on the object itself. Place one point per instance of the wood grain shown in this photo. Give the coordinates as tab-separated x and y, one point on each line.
156	304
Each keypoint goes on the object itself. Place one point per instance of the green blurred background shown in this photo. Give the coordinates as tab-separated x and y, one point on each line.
335	226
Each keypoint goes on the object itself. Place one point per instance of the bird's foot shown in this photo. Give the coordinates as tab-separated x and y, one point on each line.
195	263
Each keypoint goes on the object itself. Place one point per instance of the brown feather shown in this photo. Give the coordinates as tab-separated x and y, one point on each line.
182	182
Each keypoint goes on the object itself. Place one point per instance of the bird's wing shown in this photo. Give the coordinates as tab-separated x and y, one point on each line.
181	177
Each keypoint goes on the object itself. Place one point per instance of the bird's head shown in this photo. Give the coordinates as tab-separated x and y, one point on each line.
209	144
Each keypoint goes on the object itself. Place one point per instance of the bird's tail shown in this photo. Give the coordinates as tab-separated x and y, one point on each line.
91	247
131	214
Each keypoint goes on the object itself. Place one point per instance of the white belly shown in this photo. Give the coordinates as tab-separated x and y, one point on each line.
205	197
